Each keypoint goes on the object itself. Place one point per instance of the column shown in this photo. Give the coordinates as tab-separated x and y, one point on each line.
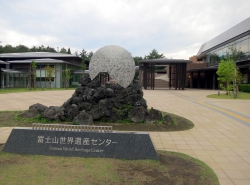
170	77
199	75
192	81
7	76
214	80
57	81
205	80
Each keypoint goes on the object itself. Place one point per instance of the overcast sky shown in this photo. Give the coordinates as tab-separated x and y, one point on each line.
173	27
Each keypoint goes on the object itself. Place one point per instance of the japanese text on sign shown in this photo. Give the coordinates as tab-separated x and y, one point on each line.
75	141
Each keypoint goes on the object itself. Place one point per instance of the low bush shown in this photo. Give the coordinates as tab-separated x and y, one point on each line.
244	87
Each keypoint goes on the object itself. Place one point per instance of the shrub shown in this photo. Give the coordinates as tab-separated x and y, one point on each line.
244	87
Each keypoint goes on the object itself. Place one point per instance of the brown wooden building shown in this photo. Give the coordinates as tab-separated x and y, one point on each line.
176	72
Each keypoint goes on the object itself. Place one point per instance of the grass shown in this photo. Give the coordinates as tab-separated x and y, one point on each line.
172	168
11	119
18	90
241	96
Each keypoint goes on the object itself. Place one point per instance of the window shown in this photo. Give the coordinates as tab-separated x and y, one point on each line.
45	79
245	46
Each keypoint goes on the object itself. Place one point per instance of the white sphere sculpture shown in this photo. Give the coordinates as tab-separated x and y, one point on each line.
114	60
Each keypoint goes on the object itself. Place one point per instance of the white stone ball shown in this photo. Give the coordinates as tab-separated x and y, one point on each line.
116	61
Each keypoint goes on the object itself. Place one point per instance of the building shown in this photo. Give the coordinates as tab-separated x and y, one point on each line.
202	72
174	77
14	68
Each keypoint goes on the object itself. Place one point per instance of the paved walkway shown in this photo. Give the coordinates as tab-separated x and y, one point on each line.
220	138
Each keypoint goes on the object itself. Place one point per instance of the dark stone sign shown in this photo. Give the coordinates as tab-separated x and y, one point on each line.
120	145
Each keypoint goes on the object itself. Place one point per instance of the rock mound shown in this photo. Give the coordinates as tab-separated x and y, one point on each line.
93	101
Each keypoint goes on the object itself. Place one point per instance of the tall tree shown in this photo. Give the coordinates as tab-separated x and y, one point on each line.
9	49
76	53
63	50
90	55
32	76
226	72
22	48
66	76
33	49
235	55
154	55
50	71
85	59
137	60
69	52
50	49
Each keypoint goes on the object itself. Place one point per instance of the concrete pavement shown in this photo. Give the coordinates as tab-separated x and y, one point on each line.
220	137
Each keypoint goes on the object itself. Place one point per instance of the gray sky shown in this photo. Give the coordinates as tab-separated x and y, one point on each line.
173	27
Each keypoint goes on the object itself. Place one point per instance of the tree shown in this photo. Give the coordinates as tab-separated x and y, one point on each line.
22	48
154	55
42	49
50	72
32	76
137	60
63	50
49	49
236	55
69	52
83	65
90	55
8	49
85	59
76	53
226	72
66	76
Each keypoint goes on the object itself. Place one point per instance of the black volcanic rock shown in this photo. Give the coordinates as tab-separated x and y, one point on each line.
34	110
83	118
54	113
153	116
137	114
110	102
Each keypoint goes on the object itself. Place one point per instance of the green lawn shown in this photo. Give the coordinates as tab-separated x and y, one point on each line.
17	90
241	96
172	168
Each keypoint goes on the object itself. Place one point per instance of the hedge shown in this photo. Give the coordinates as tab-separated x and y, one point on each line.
244	87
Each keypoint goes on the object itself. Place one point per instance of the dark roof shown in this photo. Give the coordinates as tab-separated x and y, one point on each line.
35	55
39	61
233	32
165	61
67	58
14	71
212	68
2	62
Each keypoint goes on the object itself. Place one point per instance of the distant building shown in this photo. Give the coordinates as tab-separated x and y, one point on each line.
14	68
202	72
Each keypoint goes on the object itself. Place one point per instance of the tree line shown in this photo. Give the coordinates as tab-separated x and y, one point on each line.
86	57
21	48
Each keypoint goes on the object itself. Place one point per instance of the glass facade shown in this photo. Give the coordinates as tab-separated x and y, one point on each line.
12	80
242	44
